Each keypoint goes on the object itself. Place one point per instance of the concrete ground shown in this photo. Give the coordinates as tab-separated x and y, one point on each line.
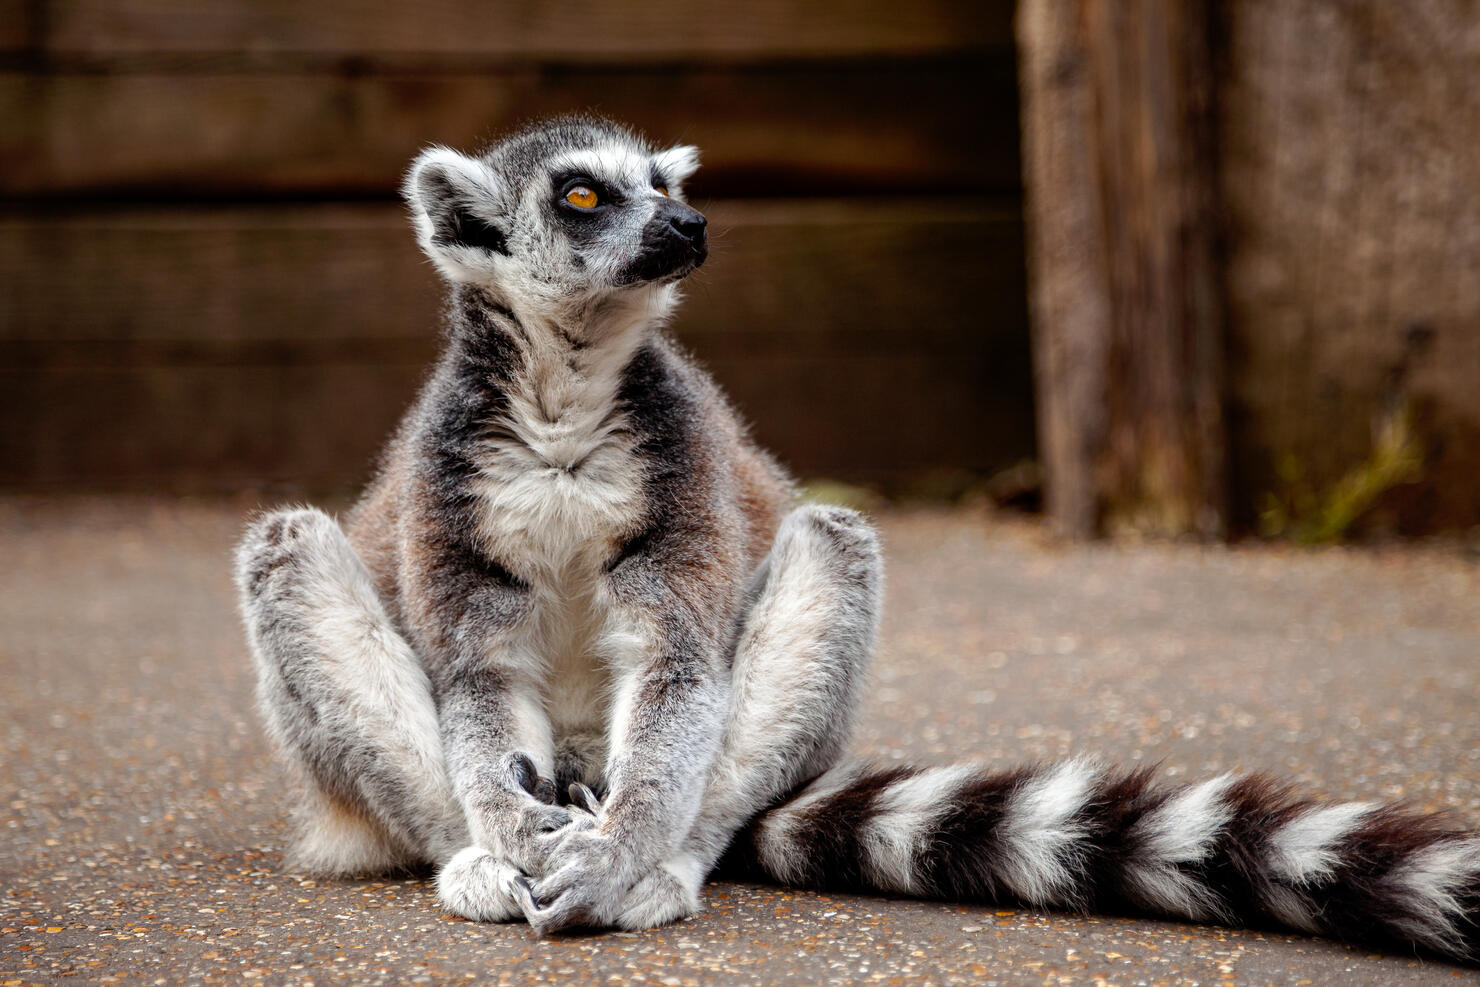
143	818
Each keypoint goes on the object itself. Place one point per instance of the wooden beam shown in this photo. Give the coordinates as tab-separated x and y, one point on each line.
1126	297
211	348
777	129
565	30
19	28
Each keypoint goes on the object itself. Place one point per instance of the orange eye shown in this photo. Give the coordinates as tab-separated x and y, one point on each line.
582	196
661	189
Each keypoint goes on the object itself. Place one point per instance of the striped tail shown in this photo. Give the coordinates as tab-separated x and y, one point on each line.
1236	850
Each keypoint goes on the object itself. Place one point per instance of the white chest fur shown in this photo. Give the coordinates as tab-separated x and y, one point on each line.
559	478
558	475
561	487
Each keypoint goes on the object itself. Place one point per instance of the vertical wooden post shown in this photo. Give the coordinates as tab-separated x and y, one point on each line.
1126	292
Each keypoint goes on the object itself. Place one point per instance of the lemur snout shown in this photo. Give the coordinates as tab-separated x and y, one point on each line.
689	223
672	244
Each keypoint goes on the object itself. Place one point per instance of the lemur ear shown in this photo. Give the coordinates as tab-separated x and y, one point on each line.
676	165
455	204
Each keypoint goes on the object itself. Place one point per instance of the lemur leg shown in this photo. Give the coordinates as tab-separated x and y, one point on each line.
345	700
801	655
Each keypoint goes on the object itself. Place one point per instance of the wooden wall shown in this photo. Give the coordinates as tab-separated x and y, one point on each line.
1255	256
208	283
1350	136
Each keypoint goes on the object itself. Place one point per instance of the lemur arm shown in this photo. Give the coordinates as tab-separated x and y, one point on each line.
495	732
664	742
667	718
495	739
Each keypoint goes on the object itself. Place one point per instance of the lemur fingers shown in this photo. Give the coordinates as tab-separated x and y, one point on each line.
528	831
527	777
667	894
579	821
562	901
589	878
523	818
485	886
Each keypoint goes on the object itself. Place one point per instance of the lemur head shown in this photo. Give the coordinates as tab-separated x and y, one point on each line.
573	209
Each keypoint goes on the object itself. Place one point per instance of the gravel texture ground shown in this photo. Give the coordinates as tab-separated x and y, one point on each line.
143	821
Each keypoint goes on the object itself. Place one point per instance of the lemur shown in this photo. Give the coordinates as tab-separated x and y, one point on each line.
579	642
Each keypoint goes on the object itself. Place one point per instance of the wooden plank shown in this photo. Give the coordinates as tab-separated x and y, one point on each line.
767	130
535	29
867	340
353	271
884	419
196	428
900	418
18	26
1127	300
237	273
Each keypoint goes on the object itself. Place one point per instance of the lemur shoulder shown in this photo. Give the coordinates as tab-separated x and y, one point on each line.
579	642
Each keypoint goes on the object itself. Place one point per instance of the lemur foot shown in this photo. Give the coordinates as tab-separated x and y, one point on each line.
284	549
669	894
477	885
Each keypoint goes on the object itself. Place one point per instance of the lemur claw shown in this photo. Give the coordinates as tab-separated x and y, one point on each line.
554	917
542	919
527	776
583	797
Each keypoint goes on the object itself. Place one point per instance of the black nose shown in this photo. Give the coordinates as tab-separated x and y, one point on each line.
690	224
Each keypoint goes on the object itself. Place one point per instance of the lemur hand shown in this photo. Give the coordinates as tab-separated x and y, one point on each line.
589	877
589	885
523	816
485	883
586	873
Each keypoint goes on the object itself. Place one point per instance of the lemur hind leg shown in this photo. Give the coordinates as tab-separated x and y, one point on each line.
345	701
801	655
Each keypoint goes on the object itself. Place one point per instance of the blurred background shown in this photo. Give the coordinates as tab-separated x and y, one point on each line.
1206	267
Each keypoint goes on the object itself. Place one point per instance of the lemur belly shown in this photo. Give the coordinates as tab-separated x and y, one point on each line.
559	500
578	686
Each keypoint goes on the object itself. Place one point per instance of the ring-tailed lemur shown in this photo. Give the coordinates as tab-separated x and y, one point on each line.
578	641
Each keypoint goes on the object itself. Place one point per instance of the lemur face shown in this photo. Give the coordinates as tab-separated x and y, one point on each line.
567	210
